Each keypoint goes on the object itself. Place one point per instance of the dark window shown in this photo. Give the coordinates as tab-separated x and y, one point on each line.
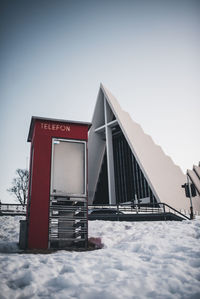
101	194
129	178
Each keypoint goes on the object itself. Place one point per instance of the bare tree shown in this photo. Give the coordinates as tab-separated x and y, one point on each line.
20	186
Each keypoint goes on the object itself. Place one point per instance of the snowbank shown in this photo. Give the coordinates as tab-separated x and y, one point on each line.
139	260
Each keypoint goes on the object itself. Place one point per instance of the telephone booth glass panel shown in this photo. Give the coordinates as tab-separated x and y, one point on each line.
68	167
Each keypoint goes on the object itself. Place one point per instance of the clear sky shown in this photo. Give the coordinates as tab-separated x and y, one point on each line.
54	54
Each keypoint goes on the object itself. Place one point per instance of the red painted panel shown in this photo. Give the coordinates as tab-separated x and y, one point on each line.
43	133
39	208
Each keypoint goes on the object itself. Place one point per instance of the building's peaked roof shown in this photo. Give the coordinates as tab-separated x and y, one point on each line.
164	177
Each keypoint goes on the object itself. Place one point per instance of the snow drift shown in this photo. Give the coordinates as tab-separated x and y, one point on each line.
139	260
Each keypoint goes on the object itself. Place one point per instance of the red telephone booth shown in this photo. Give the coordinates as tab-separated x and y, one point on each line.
57	201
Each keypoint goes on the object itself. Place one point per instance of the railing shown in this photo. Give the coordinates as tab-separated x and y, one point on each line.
154	208
12	209
18	209
174	211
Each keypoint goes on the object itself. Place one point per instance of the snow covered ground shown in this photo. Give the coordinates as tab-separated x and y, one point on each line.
139	260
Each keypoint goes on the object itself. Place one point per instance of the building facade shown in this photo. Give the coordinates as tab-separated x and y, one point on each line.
125	165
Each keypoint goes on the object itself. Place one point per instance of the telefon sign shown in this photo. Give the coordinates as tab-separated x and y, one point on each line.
55	127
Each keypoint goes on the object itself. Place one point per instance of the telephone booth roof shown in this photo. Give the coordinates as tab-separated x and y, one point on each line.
38	118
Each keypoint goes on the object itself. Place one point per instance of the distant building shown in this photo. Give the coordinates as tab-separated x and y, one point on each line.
125	165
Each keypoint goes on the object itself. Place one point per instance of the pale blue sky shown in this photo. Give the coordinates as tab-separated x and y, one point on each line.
54	54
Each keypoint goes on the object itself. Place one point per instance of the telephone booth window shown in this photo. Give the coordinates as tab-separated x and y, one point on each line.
68	175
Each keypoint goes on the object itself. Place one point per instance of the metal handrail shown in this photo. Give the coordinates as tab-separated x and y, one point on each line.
68	209
7	205
139	209
165	204
63	218
6	208
12	209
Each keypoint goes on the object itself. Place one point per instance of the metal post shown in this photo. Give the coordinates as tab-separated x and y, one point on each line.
118	211
191	207
136	203
164	212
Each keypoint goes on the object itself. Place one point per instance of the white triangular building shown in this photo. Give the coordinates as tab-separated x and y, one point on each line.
125	164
